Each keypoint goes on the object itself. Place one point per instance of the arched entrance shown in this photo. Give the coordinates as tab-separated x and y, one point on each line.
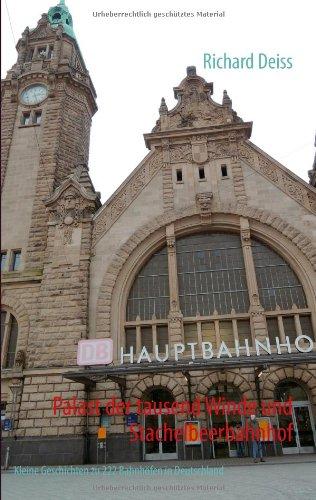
158	448
220	418
304	438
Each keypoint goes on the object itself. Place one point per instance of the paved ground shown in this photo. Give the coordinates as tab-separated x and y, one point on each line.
279	478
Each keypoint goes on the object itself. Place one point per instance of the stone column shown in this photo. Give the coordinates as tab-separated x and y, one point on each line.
175	316
257	318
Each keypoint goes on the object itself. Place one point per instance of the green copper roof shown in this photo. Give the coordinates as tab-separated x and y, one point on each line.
61	15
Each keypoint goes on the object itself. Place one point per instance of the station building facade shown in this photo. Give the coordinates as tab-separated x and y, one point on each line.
209	240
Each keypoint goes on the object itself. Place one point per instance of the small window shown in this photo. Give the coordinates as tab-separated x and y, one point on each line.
42	52
3	407
224	171
16	260
130	335
3	260
201	173
50	52
162	337
179	175
26	118
37	117
56	16
9	337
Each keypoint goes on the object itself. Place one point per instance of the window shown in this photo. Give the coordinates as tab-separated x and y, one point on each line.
190	335
289	389
3	408
208	333
147	338
226	333
306	325
3	261
273	329
225	391
244	332
130	335
16	260
224	171
9	336
37	118
289	328
149	294
50	52
56	16
278	284
211	274
162	337
26	119
213	294
41	52
179	175
201	173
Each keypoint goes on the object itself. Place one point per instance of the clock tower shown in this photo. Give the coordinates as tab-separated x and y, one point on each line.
48	100
48	203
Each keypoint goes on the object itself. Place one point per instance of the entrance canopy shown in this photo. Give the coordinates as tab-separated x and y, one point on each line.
117	373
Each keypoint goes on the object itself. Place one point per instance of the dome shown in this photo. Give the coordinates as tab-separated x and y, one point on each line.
60	15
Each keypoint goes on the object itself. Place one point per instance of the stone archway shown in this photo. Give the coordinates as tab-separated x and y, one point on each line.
233	378
178	391
300	374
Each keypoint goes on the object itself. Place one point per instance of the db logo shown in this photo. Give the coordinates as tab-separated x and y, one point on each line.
95	352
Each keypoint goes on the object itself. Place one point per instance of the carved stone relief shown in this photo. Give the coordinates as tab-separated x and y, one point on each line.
124	198
278	176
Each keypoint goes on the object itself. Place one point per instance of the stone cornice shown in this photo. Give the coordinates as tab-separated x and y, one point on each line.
239	129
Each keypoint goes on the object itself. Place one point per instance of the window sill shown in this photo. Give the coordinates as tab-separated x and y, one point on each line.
30	125
202	180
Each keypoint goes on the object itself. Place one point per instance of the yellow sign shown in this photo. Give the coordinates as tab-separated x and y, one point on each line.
266	433
192	432
102	433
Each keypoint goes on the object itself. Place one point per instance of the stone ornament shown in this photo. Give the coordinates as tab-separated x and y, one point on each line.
195	107
204	202
20	359
70	204
118	204
274	172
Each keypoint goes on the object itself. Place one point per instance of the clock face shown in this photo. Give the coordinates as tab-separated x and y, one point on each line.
34	94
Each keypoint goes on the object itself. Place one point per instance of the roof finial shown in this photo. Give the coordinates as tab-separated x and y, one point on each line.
226	99
191	71
163	110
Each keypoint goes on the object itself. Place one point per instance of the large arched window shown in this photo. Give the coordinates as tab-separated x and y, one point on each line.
149	294
9	337
213	294
211	274
277	283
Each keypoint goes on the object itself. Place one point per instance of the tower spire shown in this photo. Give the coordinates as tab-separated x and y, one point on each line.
60	15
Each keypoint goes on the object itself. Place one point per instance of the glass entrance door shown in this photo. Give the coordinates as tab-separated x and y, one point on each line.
159	448
303	440
304	428
221	447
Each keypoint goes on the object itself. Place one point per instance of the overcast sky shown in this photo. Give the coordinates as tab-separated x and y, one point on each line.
134	62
